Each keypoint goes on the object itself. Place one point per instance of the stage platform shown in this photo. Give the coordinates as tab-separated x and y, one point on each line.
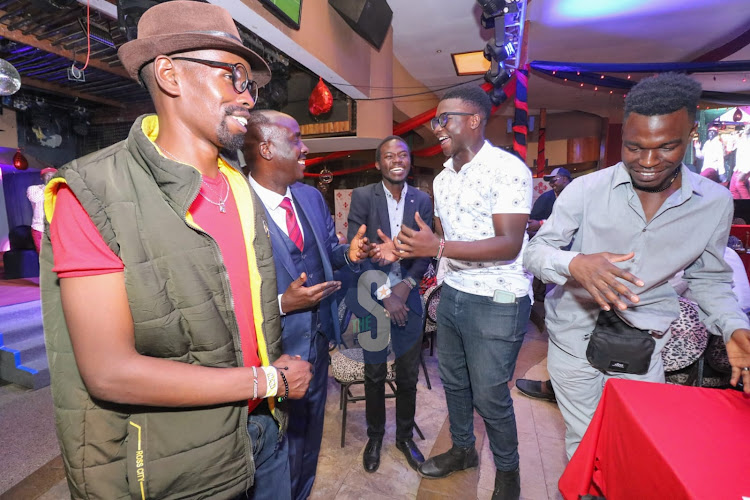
18	291
23	358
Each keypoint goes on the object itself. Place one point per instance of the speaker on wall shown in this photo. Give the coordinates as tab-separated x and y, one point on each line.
369	18
129	12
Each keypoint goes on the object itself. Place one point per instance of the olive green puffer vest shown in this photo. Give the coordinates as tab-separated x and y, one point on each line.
181	303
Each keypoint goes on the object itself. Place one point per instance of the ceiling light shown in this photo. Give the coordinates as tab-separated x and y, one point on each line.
492	8
499	52
97	32
497	77
495	8
470	63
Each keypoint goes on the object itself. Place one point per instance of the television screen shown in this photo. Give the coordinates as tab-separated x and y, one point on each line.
288	11
721	148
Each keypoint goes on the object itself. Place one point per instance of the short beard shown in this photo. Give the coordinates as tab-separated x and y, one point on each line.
227	140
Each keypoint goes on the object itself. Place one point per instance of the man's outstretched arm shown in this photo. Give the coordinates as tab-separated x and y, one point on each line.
505	245
101	331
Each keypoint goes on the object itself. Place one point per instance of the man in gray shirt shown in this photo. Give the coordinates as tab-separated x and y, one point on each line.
632	227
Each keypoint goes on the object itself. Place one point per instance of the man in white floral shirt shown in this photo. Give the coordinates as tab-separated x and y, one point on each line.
482	204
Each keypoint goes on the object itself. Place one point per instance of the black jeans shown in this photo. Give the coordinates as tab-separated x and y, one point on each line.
407	345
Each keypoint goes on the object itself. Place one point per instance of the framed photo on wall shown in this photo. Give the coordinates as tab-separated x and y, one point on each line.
289	11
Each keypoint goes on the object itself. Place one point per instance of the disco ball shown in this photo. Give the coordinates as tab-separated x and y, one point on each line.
10	80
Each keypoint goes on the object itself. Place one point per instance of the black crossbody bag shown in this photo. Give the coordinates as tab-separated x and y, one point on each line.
617	347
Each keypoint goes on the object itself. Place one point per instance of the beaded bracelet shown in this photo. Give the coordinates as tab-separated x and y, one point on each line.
255	383
286	387
440	250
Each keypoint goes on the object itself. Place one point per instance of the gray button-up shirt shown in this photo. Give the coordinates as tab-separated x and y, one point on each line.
601	212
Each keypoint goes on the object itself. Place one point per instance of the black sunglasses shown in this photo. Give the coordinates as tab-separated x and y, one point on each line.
442	118
240	79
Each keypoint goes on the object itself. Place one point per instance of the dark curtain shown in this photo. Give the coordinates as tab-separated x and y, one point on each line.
16	203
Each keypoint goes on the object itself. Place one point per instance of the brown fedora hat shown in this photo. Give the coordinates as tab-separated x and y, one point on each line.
185	25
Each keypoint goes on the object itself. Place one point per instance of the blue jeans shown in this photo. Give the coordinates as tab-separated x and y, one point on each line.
478	341
271	458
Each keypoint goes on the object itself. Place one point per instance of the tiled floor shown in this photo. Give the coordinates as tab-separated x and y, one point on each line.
340	473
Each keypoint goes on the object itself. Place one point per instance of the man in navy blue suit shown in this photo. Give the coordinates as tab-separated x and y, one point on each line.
306	251
383	208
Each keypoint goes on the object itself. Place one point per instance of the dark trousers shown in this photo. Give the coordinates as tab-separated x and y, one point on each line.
407	345
270	456
305	431
478	342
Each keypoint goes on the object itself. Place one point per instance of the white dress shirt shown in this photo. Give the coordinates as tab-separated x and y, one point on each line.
395	217
272	201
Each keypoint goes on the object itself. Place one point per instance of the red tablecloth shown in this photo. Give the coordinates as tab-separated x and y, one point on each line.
658	441
745	257
743	233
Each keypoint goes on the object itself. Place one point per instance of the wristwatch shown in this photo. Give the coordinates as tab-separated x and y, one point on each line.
410	282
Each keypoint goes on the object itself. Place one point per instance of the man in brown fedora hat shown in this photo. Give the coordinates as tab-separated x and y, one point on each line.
158	285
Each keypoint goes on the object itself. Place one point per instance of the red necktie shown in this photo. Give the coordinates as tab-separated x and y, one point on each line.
291	224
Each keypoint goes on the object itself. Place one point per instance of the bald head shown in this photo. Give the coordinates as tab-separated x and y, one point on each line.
274	149
260	126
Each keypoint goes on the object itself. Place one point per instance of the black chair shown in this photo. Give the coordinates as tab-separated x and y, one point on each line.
348	367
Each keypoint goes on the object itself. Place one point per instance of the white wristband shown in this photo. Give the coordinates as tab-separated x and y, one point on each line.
255	383
272	381
383	292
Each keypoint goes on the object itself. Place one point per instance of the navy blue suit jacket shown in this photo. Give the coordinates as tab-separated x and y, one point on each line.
369	206
296	334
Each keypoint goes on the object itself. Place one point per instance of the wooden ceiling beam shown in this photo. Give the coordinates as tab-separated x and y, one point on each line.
58	89
46	46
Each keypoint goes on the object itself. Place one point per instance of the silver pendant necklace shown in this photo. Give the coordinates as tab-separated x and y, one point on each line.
221	203
222	200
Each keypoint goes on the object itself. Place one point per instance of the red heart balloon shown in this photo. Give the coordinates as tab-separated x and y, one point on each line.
321	99
20	161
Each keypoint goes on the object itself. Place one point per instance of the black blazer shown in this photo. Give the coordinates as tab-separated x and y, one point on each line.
369	206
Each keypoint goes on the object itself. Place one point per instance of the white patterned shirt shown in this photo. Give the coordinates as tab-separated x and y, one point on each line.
493	182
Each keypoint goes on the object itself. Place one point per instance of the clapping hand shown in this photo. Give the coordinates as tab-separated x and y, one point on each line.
359	247
422	243
384	253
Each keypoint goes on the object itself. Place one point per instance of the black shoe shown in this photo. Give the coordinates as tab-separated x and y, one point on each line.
537	389
507	485
413	456
371	457
451	461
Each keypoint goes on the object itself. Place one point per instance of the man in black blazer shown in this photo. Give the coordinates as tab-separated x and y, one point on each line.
387	205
